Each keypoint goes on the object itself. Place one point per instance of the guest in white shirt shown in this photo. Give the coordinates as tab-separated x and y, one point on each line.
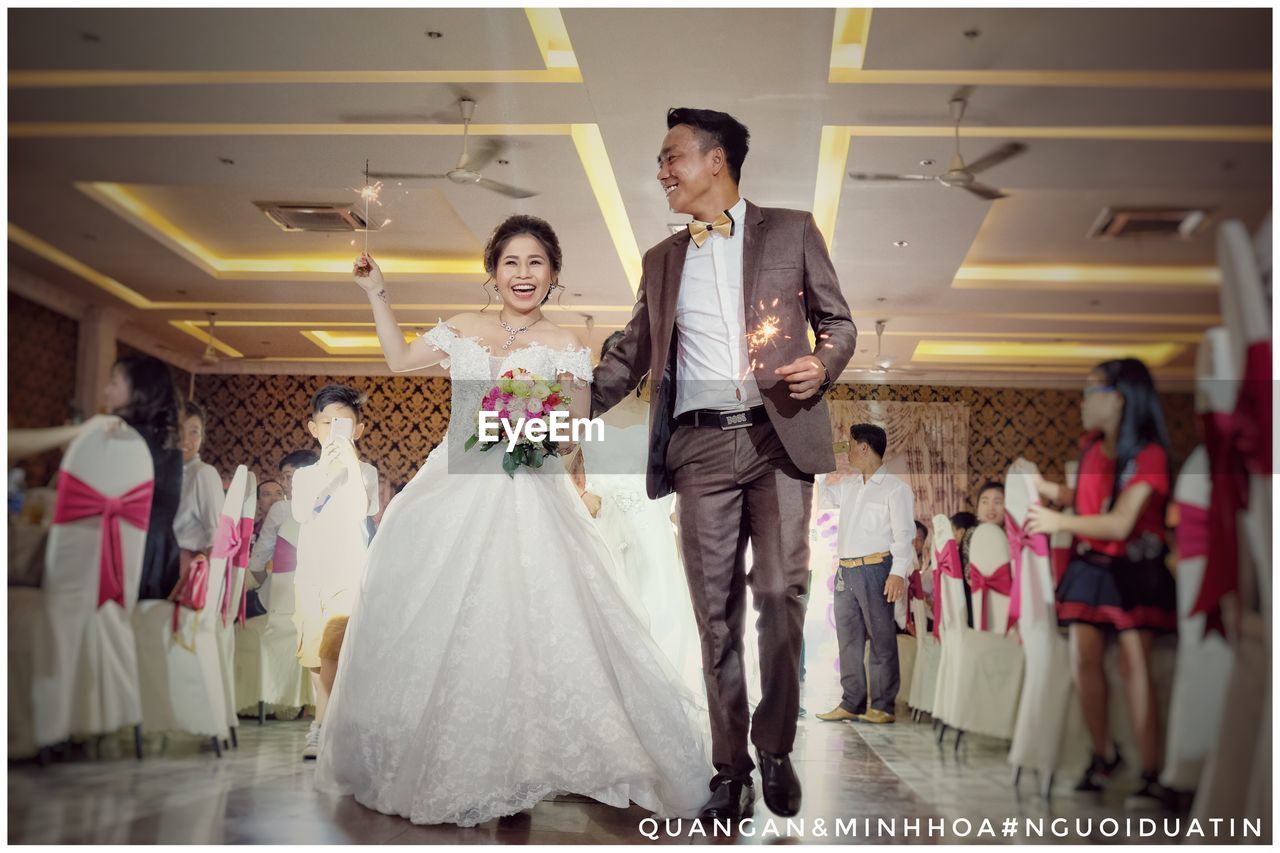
877	526
196	521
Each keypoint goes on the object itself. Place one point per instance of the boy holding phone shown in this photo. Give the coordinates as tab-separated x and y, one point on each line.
331	500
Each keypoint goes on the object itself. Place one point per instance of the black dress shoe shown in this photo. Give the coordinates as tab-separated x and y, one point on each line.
780	785
730	800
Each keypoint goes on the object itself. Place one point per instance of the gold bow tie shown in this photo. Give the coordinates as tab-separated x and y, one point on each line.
699	231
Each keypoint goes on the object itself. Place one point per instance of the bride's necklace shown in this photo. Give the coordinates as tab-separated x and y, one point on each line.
512	337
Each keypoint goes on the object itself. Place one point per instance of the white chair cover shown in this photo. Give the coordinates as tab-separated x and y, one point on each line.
91	685
1047	693
267	668
953	621
988	666
924	676
240	512
1204	662
181	673
1237	777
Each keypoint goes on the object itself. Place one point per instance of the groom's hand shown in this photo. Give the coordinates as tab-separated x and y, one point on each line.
894	588
805	376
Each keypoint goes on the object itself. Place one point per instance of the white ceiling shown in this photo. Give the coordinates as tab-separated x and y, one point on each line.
769	67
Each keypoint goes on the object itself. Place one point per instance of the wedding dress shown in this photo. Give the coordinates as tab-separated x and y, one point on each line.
493	658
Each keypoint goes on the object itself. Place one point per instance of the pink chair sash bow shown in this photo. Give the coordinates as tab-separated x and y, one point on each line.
1019	538
1239	444
1193	531
1000	581
77	500
285	558
232	541
947	562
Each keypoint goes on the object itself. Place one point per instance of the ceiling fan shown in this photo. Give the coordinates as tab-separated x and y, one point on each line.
883	364
958	174
468	169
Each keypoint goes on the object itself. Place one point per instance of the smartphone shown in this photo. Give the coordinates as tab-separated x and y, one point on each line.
341	428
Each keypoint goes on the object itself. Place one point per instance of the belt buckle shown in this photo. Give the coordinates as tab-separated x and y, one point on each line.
735	420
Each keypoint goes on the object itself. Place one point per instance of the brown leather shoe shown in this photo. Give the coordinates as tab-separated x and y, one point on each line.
875	715
837	714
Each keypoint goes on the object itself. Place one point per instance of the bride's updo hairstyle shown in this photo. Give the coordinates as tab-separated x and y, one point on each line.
538	229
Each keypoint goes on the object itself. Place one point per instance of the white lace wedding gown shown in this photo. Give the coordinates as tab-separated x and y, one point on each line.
493	659
642	535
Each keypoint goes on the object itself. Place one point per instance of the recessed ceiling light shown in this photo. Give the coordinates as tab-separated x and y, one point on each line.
432	34
504	162
226	161
577	294
972	33
880	299
901	244
181	292
926	162
92	38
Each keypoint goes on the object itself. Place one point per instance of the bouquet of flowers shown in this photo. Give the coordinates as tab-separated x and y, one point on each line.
519	400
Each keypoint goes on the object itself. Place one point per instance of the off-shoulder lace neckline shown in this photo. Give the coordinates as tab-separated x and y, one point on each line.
478	341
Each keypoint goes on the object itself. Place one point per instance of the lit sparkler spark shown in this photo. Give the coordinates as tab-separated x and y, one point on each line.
369	192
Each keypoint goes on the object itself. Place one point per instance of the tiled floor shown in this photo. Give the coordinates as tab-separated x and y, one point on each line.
261	793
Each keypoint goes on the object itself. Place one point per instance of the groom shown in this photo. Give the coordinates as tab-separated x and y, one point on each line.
738	428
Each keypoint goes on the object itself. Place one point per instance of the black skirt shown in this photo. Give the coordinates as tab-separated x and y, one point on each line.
1118	593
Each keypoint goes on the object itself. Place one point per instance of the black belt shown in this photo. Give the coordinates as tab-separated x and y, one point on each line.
723	420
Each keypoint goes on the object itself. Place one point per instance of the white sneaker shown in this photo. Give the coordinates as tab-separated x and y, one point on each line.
312	749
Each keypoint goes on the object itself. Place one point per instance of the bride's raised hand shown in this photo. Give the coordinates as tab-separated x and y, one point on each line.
367	273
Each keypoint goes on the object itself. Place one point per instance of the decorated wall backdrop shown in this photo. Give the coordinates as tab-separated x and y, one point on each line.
42	374
256	419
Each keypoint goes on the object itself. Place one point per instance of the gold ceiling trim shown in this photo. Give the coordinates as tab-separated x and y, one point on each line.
1068	352
101	79
1086	277
203	337
1212	80
65	129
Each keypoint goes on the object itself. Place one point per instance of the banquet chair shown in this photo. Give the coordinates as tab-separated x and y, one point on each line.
85	666
1236	780
178	655
987	677
230	556
269	678
1047	693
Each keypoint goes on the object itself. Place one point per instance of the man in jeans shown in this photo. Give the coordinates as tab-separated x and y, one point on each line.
877	525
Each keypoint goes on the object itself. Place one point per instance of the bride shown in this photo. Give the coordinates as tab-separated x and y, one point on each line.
494	659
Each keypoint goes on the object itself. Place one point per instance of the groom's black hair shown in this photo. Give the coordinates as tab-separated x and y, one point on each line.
716	129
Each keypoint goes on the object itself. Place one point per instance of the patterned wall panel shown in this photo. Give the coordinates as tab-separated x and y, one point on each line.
42	374
257	419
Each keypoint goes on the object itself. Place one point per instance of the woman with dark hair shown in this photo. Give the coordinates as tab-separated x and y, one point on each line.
494	656
141	392
1117	582
202	494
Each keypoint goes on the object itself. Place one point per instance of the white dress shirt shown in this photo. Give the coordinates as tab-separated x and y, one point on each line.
196	520
713	369
875	516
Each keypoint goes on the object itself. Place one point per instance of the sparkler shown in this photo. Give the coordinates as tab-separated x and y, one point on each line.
764	334
369	192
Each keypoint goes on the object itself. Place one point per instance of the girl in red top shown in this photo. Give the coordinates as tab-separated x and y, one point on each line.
1117	581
